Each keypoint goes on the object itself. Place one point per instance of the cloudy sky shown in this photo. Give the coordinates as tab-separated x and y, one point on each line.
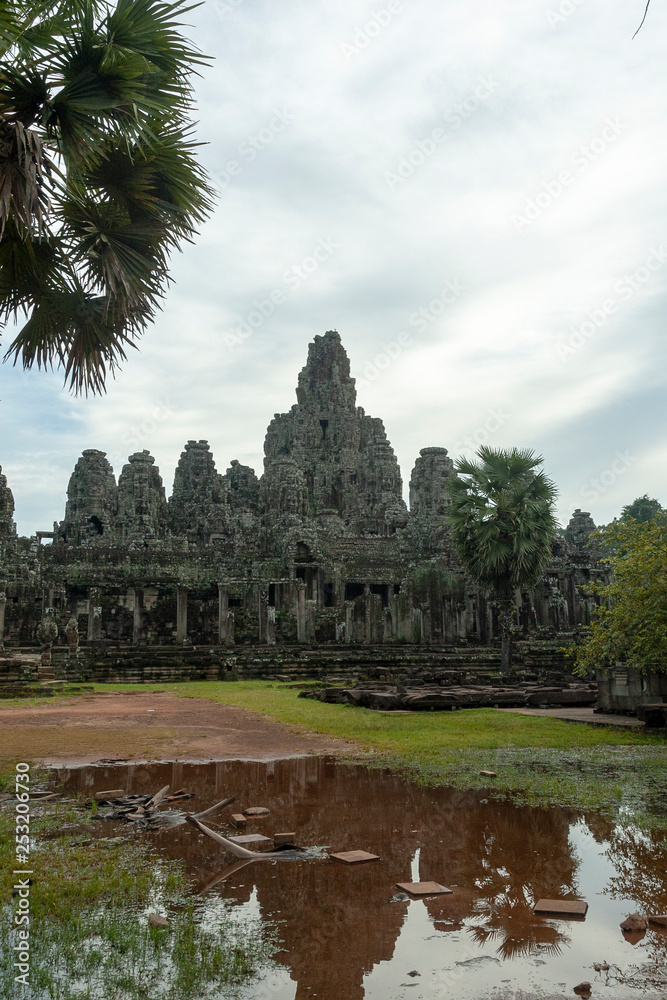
472	194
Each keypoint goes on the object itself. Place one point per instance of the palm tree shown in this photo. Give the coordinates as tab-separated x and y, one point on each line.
502	520
99	181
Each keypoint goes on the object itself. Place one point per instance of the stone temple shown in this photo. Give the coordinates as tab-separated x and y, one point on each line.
317	561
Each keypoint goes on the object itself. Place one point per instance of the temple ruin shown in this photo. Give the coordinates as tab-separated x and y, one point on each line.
318	560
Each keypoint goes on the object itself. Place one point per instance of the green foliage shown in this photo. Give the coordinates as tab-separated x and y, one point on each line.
631	624
502	517
642	509
99	181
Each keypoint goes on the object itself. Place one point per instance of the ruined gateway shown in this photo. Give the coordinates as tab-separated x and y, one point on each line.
319	558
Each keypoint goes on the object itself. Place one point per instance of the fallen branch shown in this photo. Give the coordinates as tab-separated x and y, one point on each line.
235	849
157	799
214	809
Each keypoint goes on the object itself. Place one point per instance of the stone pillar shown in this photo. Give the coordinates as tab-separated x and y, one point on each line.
301	611
367	614
388	633
223	607
3	605
181	613
349	621
93	596
262	606
138	617
271	626
311	610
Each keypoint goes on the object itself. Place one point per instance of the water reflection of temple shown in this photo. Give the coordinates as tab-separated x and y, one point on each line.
338	923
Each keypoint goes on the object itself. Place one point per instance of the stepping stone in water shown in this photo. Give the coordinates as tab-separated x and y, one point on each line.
355	857
250	838
561	907
424	888
255	811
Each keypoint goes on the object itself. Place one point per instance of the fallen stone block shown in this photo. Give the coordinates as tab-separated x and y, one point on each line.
157	920
239	821
250	838
354	857
254	811
488	774
284	839
634	922
561	907
424	888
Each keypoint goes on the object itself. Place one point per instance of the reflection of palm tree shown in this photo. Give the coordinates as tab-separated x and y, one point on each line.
523	935
514	858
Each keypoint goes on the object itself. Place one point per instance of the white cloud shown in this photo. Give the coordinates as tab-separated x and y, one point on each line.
347	122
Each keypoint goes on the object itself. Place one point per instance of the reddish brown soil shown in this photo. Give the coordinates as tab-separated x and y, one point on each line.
120	726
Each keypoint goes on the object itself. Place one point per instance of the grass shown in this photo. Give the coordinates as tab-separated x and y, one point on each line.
538	760
89	933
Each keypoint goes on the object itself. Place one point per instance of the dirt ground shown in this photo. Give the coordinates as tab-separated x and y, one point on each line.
139	726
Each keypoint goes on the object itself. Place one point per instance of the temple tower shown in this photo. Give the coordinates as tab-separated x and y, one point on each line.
142	505
348	465
198	506
92	500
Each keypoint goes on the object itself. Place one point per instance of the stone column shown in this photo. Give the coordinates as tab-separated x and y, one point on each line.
93	596
181	613
349	621
262	605
271	626
301	611
138	617
388	632
311	610
223	607
367	614
3	605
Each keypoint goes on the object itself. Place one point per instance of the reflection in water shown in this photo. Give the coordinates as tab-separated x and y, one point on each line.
339	923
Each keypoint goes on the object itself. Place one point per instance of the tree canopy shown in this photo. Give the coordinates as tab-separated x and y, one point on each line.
631	624
503	523
642	509
99	181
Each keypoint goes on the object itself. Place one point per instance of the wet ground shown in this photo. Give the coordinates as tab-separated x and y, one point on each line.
347	931
140	725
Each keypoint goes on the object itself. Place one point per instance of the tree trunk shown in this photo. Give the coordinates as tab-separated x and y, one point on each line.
505	620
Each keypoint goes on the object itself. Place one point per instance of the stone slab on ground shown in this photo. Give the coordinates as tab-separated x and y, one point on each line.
250	838
561	907
354	857
580	715
424	888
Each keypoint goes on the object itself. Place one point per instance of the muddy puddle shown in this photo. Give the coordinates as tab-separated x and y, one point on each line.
348	933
